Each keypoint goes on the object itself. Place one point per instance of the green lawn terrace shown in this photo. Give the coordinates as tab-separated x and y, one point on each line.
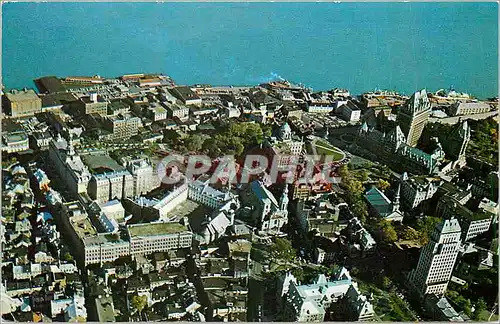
158	228
327	151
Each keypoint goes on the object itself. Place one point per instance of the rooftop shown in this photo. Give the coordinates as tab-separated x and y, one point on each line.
152	229
22	95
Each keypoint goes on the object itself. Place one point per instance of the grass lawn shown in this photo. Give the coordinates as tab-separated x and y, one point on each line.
485	315
325	148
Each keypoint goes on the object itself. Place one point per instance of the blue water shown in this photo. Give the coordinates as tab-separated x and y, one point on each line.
359	46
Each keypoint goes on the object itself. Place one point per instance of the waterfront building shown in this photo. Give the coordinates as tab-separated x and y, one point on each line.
186	95
413	116
382	207
19	103
92	104
417	189
85	80
437	259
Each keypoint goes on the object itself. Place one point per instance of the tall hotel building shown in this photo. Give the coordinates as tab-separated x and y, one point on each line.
413	116
437	259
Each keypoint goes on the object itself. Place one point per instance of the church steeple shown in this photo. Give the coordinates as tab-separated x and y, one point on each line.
395	203
284	199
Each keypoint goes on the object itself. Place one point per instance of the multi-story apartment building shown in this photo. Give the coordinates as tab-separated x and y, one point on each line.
414	116
111	185
417	189
437	259
19	103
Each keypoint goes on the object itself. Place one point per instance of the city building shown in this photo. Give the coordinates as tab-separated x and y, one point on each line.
92	104
413	116
310	303
176	110
440	309
157	237
143	174
468	108
350	112
19	103
69	165
437	259
285	147
391	148
186	95
455	143
267	213
473	221
111	185
200	191
156	112
417	189
121	127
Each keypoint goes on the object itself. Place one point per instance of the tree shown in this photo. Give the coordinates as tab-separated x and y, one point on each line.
386	282
479	308
383	184
410	233
68	257
282	249
387	232
194	142
139	302
426	226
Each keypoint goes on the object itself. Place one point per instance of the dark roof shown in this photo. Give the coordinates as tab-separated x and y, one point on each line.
49	84
184	93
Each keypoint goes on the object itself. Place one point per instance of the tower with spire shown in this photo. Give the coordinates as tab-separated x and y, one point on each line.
395	201
413	116
284	199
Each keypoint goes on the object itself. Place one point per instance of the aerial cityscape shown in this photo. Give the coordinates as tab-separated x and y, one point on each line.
136	197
